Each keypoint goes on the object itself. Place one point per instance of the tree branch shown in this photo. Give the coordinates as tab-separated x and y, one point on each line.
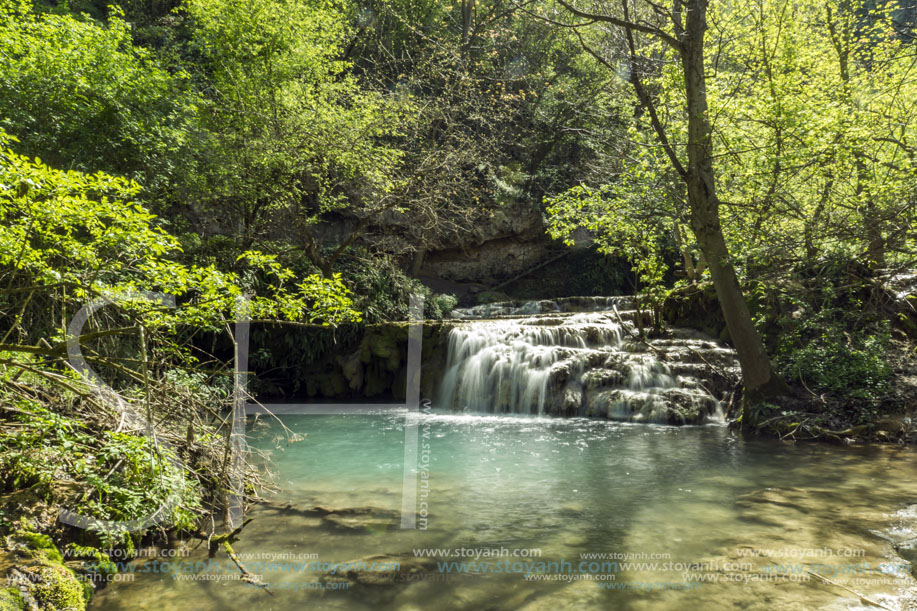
630	26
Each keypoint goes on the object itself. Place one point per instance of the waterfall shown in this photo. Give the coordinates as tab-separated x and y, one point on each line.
580	357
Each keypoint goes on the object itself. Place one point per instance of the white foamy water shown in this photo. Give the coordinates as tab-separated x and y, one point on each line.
577	364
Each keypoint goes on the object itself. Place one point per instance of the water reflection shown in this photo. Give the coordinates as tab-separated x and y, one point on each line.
565	487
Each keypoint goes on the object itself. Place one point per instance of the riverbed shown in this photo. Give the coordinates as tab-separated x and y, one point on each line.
524	512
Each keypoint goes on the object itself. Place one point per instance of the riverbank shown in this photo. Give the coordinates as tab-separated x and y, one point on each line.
85	481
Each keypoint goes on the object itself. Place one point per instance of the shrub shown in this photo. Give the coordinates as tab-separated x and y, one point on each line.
124	475
828	353
383	291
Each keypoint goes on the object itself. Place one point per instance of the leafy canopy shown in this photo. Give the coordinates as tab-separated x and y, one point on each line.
86	232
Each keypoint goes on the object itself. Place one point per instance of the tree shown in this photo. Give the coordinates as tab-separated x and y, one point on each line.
67	237
291	138
815	124
79	95
508	109
623	221
681	29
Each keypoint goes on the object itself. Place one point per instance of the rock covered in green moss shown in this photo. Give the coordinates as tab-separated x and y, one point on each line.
37	543
56	587
38	577
11	600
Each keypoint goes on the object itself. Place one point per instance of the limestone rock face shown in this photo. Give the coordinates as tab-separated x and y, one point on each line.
578	356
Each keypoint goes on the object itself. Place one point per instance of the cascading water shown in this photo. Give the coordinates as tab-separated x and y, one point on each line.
551	357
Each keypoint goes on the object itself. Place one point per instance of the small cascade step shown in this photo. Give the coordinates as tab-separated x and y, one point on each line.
560	358
544	306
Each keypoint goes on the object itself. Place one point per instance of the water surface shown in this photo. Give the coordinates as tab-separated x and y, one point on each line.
743	520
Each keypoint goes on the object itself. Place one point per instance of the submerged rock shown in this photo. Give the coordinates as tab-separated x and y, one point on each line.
381	570
789	498
356	520
908	551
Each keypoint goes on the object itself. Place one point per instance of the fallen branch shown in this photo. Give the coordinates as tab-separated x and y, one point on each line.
214	542
246	575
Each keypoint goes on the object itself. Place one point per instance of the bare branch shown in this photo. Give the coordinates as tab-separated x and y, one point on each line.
630	26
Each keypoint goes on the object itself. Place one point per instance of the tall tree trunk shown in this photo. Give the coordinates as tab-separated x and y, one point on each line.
689	21
758	374
467	16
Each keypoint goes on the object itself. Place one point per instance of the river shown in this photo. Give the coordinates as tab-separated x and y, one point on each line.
688	518
503	505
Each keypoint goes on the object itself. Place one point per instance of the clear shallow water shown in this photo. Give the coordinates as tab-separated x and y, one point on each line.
734	508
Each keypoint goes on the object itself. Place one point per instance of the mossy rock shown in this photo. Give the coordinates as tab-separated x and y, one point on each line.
385	339
695	307
332	385
352	370
40	569
485	297
56	587
11	600
87	559
38	544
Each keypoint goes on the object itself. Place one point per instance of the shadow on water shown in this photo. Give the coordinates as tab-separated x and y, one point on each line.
696	497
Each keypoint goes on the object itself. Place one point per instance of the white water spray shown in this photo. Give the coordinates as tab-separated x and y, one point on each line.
576	364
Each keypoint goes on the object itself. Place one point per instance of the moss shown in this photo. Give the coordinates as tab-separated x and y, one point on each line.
387	342
491	297
332	385
88	591
11	600
94	559
39	543
50	584
59	589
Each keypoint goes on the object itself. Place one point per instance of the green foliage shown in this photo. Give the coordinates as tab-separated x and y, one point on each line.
124	476
384	291
614	214
812	134
829	352
288	128
207	388
506	110
814	127
85	231
78	94
95	560
442	305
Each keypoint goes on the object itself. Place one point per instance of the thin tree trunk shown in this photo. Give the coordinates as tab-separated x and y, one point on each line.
690	269
758	374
